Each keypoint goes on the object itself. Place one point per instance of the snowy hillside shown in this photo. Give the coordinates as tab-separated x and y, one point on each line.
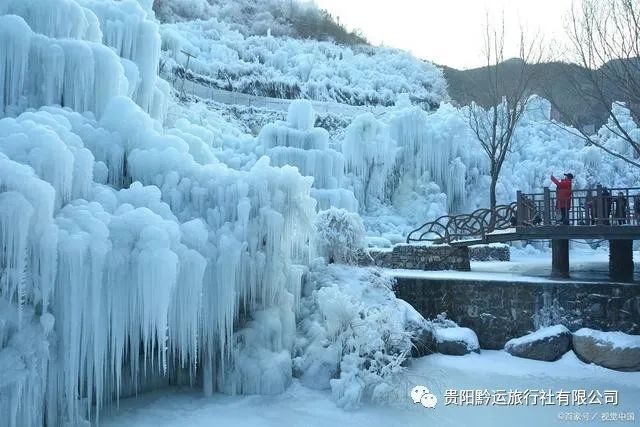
297	19
290	68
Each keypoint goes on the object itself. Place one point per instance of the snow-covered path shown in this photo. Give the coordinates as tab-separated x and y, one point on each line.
222	96
493	370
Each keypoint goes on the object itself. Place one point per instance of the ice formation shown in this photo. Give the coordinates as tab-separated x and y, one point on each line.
371	156
297	142
79	55
433	144
128	252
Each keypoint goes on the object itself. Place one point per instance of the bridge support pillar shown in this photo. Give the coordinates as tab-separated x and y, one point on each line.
621	259
560	258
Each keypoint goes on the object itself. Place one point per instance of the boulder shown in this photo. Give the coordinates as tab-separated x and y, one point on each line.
456	341
423	342
613	350
548	344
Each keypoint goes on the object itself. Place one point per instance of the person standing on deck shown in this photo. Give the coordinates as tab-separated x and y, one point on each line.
607	204
622	208
590	209
563	196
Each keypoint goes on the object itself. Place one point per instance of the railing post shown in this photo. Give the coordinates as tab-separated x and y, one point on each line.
600	202
520	207
546	207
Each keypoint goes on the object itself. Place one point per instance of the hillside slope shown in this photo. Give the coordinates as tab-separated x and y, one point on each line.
286	67
259	17
552	80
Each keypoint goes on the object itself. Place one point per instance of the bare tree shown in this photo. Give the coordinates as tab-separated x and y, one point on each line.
605	40
495	123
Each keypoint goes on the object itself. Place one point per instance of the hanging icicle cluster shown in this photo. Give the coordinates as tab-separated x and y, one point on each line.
128	254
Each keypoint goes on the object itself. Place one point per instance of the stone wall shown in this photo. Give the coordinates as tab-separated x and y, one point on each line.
491	252
499	311
414	257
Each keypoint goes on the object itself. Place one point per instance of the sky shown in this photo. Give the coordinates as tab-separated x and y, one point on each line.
450	32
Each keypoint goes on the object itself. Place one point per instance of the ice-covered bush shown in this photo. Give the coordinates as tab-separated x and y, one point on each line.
339	235
354	335
175	10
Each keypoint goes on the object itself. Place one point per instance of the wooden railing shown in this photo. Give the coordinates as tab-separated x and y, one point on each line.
449	228
597	206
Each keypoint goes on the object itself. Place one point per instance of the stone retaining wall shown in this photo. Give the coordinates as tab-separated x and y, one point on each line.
492	252
413	257
499	311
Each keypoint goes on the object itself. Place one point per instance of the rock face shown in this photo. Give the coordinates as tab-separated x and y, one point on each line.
456	341
548	344
613	350
501	310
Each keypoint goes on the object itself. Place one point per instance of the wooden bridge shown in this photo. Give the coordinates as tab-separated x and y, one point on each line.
595	214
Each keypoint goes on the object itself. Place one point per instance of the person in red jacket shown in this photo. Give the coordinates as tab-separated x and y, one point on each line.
563	195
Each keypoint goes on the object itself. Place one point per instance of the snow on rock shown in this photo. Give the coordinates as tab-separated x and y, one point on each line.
613	350
456	341
549	344
614	339
550	331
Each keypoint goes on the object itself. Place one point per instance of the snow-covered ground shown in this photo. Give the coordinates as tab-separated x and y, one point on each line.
586	264
530	265
491	370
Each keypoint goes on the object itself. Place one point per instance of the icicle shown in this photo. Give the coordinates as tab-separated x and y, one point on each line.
370	155
156	270
15	39
15	216
64	19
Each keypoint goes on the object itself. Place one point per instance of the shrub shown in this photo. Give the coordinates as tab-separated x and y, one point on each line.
339	236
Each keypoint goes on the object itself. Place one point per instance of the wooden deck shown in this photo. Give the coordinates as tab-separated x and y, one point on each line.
593	214
557	232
